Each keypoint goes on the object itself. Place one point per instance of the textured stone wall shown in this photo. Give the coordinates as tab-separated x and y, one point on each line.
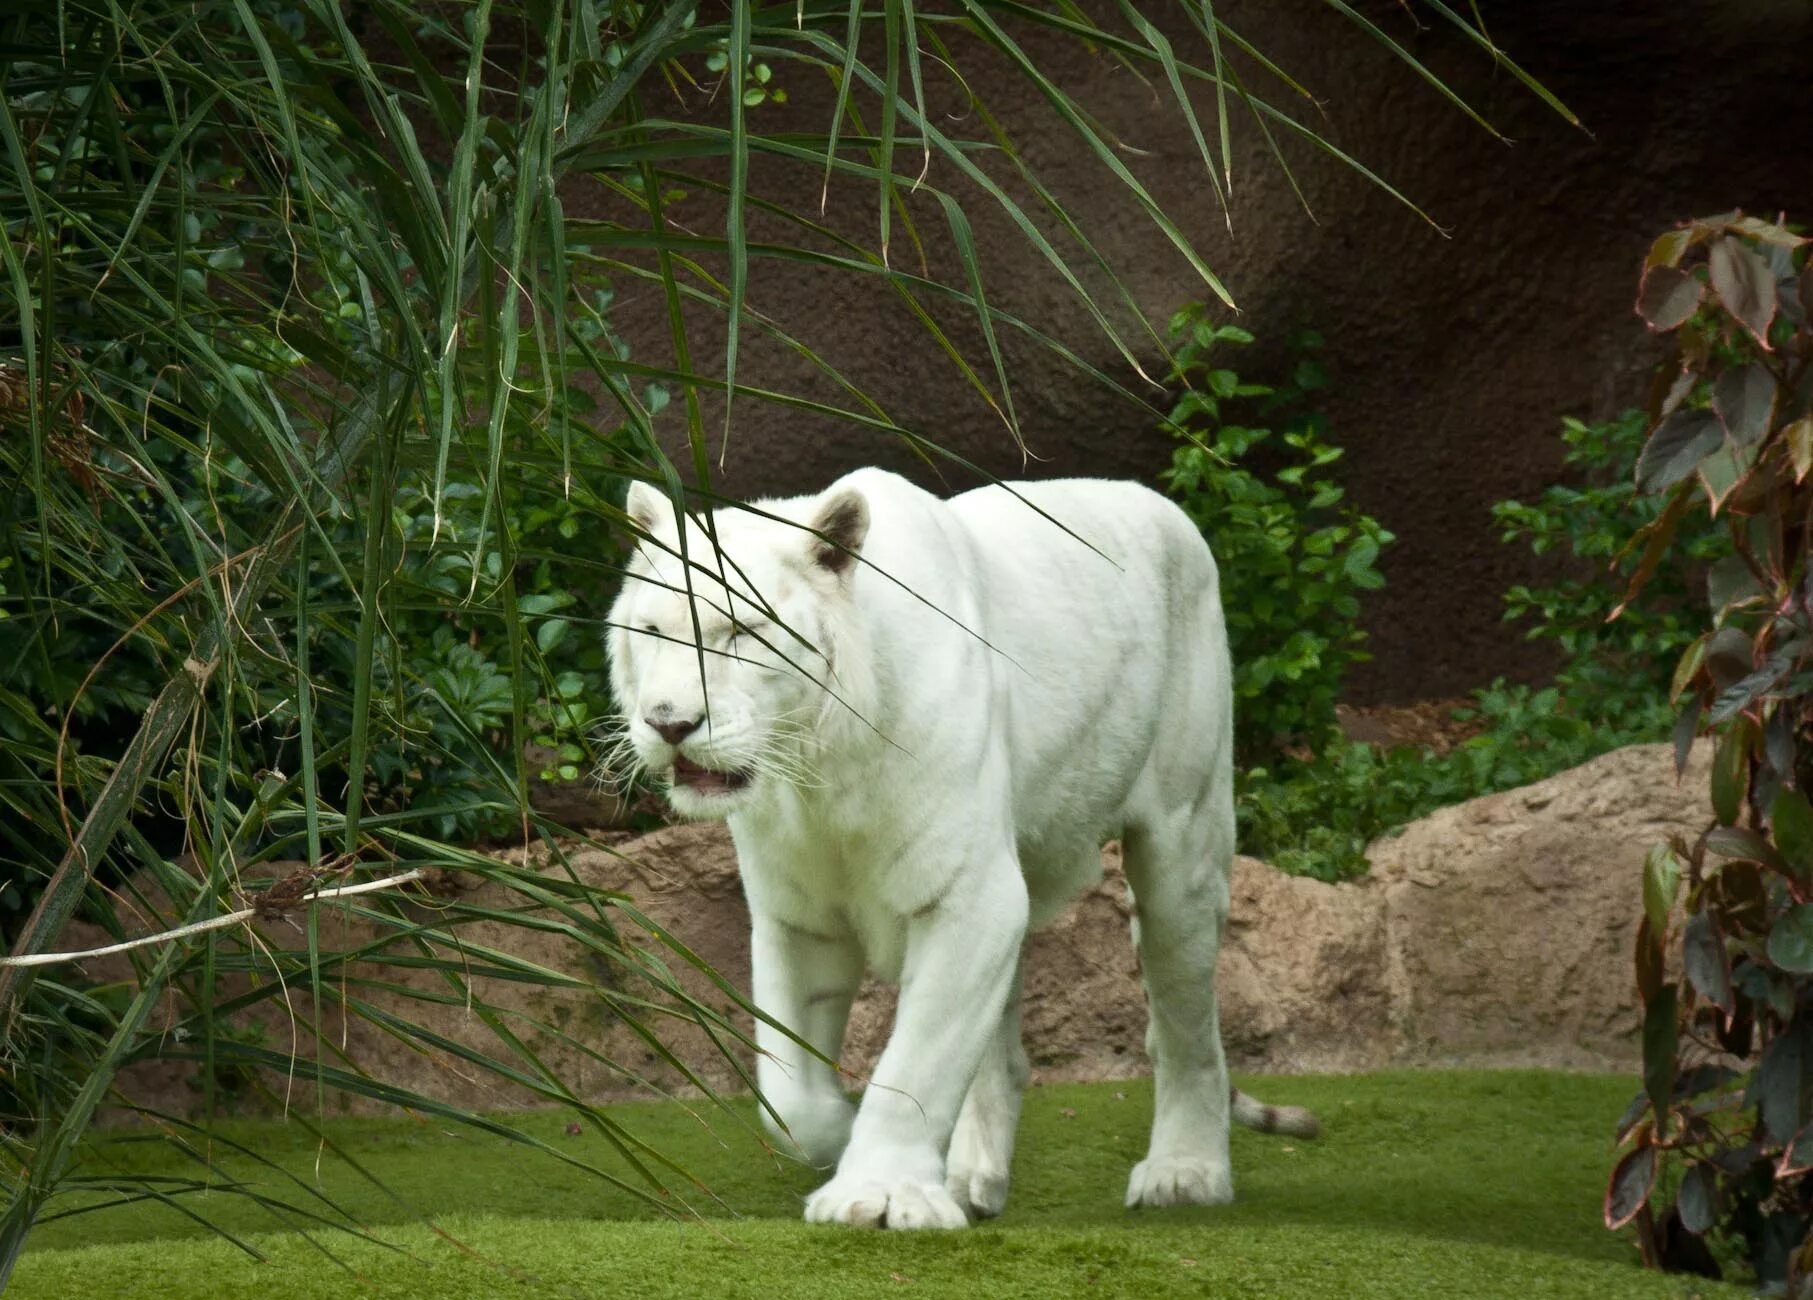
1453	358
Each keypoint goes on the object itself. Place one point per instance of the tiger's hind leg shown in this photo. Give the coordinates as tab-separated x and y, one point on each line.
1178	867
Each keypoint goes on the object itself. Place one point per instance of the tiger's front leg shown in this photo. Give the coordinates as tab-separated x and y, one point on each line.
805	979
962	951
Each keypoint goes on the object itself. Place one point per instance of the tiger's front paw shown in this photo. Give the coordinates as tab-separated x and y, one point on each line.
982	1192
865	1201
1180	1180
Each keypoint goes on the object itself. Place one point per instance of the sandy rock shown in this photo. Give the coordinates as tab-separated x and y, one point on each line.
1510	918
1496	932
1303	974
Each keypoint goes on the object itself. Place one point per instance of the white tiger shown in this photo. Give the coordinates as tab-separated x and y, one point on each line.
922	718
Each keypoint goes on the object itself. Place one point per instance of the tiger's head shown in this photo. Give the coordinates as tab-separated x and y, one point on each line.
725	641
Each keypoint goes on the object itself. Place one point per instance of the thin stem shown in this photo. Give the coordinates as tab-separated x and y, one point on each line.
213	923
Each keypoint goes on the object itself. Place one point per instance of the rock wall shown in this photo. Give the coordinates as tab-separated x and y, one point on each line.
1455	352
1494	933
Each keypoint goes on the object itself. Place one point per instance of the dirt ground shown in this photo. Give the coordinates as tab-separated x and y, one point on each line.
1427	722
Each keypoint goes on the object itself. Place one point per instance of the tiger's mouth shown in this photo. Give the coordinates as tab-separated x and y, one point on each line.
707	780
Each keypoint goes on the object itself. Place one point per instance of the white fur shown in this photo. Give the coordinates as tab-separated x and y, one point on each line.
941	737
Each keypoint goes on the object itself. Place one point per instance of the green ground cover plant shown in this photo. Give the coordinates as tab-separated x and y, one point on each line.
1389	1203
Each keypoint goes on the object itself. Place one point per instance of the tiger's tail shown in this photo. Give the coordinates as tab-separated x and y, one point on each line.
1290	1121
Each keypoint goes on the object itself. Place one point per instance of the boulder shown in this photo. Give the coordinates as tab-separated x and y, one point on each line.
1511	919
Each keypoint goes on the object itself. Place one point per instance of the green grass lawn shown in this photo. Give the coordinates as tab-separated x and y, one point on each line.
1449	1184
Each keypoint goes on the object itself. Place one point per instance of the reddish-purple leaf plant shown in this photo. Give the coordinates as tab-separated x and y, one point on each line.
1714	1152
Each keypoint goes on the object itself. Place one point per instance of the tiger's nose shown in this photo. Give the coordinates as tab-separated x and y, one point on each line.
671	731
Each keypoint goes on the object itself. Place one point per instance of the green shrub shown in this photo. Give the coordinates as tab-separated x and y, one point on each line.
446	657
1296	558
1615	670
1315	816
1294	553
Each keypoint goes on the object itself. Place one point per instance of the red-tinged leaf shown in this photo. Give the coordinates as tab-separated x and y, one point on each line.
1670	247
1791	939
1651	970
1659	1042
1648	1235
1745	286
1797	1155
1744	895
1781	1085
1661	884
1723	470
1633	1115
1779	744
1689	666
1668	297
1742	843
1744	692
1697	1200
1768	232
1677	447
1657	534
1705	962
1791	819
1761	490
1729	654
1668	386
1731	581
1631	1183
1745	399
1731	772
1687	726
1676	393
1799	439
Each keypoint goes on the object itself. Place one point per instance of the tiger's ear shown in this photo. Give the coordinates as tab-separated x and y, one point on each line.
841	521
647	506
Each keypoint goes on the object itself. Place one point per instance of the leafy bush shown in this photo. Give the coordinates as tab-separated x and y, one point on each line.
445	658
1718	1145
1315	816
1615	670
1294	554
